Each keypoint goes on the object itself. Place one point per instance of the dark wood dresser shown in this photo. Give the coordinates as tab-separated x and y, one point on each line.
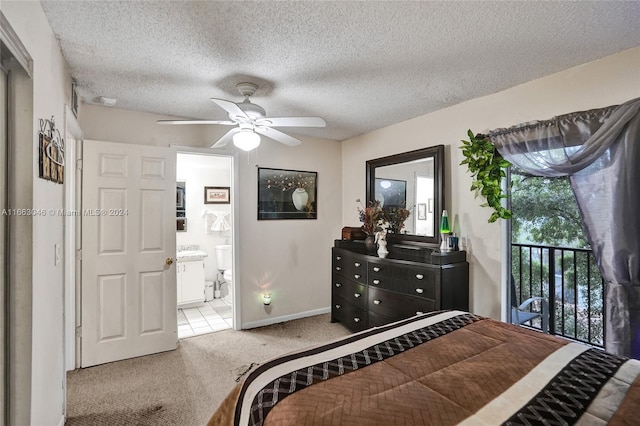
368	291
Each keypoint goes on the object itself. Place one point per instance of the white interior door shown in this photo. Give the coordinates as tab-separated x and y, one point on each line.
128	236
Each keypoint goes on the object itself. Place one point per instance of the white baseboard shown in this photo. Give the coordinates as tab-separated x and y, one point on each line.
284	318
61	422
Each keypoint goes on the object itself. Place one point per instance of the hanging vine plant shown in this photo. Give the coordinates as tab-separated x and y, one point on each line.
486	165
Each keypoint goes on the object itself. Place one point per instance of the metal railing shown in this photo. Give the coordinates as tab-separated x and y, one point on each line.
570	280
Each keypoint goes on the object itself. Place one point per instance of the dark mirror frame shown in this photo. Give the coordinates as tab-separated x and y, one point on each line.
437	153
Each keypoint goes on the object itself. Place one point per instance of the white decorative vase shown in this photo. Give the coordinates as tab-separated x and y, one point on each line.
300	198
382	248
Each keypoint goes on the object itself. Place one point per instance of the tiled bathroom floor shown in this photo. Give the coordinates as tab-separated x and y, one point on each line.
206	318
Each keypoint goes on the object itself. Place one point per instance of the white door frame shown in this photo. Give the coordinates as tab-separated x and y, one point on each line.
72	224
235	234
505	287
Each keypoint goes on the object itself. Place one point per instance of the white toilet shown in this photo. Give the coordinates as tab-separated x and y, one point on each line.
225	262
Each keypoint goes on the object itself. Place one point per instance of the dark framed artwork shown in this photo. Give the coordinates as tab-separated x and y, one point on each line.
391	193
287	194
217	195
181	195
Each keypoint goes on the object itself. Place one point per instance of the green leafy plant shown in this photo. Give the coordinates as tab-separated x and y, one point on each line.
486	165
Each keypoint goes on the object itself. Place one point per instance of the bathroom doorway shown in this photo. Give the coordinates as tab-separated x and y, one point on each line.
204	242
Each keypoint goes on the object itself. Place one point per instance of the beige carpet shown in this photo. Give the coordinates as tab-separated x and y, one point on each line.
184	387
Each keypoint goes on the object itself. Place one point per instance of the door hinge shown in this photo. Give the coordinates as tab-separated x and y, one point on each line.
79	164
79	331
79	254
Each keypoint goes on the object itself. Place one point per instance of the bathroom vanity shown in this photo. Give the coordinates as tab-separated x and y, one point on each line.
190	277
368	291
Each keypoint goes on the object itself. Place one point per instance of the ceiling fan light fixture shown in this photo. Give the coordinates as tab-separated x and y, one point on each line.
246	139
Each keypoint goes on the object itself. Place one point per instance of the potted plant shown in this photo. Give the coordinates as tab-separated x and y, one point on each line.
486	165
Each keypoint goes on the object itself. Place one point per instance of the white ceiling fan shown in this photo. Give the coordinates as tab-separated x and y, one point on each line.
251	121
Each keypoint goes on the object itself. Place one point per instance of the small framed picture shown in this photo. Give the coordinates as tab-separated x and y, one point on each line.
422	211
217	195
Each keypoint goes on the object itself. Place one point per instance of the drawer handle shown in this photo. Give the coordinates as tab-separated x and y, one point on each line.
338	257
357	276
376	282
338	268
419	290
419	276
356	319
377	302
419	312
338	306
338	285
356	295
357	265
376	269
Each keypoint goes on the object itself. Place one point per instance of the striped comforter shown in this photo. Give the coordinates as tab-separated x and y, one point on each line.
442	368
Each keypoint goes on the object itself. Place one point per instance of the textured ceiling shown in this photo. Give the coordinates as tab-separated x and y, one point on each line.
359	65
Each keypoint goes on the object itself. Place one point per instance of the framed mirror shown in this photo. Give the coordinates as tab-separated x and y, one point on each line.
413	180
181	208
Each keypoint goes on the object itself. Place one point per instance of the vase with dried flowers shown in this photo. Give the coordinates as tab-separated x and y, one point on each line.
396	218
370	217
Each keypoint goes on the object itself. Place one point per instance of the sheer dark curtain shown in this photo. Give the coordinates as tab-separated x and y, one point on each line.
600	152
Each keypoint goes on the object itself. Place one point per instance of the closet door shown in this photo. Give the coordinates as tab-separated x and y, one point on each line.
128	251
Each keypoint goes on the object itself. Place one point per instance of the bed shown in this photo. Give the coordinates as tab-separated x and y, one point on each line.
440	368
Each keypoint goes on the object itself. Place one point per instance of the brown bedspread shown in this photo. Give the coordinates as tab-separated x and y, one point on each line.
439	369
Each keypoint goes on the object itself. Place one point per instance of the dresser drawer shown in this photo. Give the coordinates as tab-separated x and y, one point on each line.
353	318
378	320
418	305
338	263
397	306
381	276
386	303
349	266
353	292
422	282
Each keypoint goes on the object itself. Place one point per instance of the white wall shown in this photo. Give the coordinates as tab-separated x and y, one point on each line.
198	171
291	258
608	81
51	91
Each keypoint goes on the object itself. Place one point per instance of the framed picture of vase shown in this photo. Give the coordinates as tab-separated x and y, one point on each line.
287	194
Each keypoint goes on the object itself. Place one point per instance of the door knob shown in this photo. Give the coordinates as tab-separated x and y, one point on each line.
168	261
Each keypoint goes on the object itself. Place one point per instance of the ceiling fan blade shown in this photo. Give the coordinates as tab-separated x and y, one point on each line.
232	108
277	135
292	121
226	138
226	122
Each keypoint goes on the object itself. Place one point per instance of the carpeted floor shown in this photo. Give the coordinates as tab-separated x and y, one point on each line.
184	387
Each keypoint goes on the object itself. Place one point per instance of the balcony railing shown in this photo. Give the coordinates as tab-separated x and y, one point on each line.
570	280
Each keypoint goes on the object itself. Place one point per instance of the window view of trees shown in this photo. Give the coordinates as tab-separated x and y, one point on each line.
552	258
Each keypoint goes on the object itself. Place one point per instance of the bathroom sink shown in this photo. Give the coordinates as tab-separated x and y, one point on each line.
186	255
